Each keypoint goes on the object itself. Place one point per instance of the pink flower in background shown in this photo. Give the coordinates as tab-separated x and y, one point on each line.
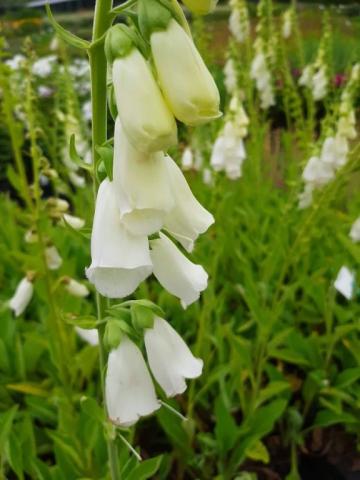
339	79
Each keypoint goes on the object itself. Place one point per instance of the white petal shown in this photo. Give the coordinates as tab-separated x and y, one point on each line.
175	272
76	288
142	186
120	261
355	231
187	159
345	282
170	359
75	222
91	336
130	393
188	219
53	259
217	160
22	296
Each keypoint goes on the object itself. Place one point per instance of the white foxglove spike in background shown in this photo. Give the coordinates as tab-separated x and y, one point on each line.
230	76
318	172
189	218
90	336
170	359
287	23
320	84
129	390
142	186
334	151
22	296
76	223
76	288
306	78
261	74
188	86
53	258
147	120
355	231
345	282
239	20
120	261
177	274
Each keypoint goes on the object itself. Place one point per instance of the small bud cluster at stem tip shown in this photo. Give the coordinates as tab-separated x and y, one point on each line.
158	77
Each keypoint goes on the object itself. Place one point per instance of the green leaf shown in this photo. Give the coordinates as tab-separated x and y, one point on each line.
15	456
326	418
225	430
258	452
92	409
106	154
75	157
67	36
146	469
6	421
347	377
271	391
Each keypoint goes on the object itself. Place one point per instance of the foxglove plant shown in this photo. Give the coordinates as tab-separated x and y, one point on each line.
239	23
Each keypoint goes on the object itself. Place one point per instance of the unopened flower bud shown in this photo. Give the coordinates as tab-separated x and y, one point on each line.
200	7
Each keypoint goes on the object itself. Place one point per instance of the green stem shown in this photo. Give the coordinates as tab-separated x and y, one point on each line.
98	66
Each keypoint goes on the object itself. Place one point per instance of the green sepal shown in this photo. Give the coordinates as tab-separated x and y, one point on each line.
153	16
112	102
87	322
120	40
75	157
142	317
142	302
105	164
113	334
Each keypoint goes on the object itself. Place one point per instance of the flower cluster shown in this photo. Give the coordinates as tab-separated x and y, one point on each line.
288	20
239	24
322	168
228	152
261	74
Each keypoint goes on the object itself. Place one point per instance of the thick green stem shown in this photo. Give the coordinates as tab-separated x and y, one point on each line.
98	65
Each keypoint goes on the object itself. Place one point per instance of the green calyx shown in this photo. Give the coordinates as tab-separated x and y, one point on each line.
154	15
142	317
119	41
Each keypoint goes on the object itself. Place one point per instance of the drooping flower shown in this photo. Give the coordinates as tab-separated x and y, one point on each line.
22	296
142	186
76	223
77	180
76	288
177	274
239	20
306	78
261	74
120	261
334	151
287	23
318	172
355	231
188	219
91	336
188	86
230	76
129	390
187	159
170	359
145	117
345	282
53	258
320	84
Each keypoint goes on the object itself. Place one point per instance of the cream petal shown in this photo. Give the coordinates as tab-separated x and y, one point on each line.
120	261
142	186
53	258
345	282
90	336
170	359
217	160
188	219
129	390
148	122
178	275
184	78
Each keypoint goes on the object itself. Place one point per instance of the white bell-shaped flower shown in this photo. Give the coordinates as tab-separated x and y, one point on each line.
287	23
217	160
187	159
77	180
230	77
90	336
120	261
318	172
129	390
188	86
142	186
355	231
306	78
320	84
76	223
170	359
76	288
175	272
345	282
22	296
145	117
347	125
53	258
188	219
306	197
334	151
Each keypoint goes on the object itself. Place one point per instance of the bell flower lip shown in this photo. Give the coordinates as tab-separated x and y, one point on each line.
176	273
90	336
76	288
141	184
53	258
188	86
129	390
146	119
345	282
120	261
22	296
169	358
188	219
76	223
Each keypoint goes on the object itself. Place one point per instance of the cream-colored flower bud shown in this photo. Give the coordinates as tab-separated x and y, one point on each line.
184	78
200	7
145	117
